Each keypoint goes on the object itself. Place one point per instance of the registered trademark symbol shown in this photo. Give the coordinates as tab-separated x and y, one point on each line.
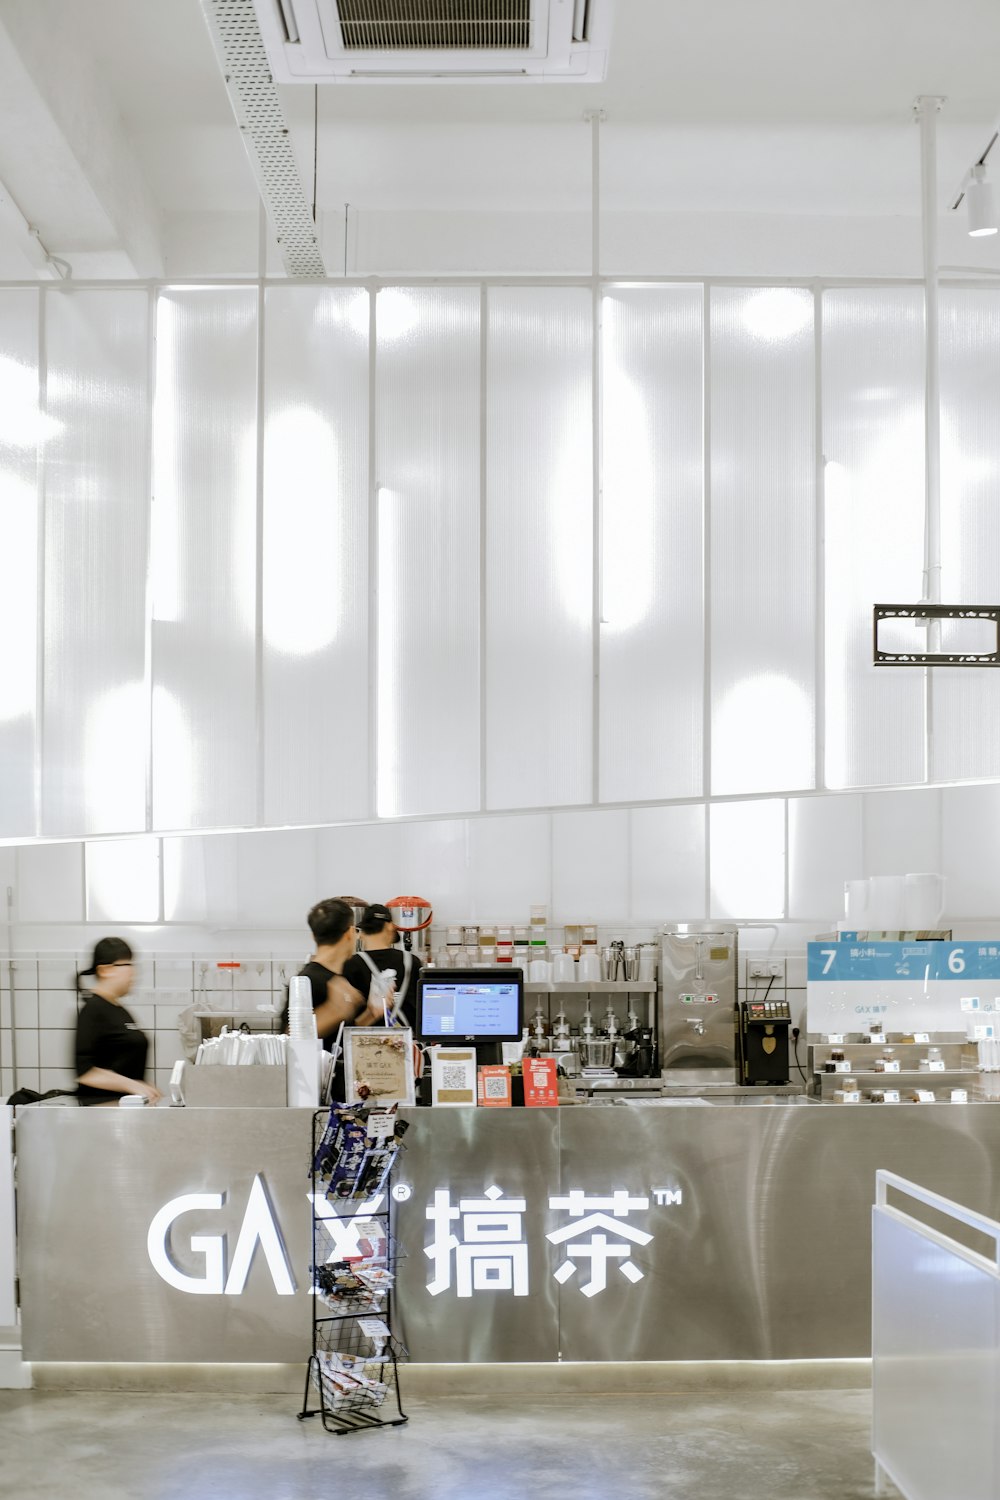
402	1191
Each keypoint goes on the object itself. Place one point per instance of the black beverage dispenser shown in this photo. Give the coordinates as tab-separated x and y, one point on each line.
762	1040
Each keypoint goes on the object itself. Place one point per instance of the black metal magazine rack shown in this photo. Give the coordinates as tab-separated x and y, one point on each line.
352	1380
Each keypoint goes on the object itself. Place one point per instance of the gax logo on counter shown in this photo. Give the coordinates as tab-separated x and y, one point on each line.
259	1227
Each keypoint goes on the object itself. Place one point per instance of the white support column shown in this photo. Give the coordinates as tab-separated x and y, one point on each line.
928	107
596	117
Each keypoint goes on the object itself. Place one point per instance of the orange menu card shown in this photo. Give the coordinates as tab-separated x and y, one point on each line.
541	1084
494	1087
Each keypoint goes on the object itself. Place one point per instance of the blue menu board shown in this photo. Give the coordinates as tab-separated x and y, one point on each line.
927	986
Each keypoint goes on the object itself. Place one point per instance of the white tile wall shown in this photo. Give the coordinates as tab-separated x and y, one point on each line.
168	1050
173	972
55	1049
57	1009
55	1078
25	1008
27	1047
58	973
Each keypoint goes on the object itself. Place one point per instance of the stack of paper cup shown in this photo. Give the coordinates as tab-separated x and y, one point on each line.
302	1049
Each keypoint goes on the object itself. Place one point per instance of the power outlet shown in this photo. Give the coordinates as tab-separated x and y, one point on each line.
765	969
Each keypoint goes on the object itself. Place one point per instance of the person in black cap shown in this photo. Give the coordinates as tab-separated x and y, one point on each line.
336	1000
379	955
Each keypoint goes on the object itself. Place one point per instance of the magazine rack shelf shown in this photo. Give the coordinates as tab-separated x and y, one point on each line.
352	1379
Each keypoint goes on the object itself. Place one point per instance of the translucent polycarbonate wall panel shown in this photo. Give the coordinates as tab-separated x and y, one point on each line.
966	701
123	880
315	554
873	445
652	634
23	428
747	859
762	540
427	566
539	572
204	546
95	736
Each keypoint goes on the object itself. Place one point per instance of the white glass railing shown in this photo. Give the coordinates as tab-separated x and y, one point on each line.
935	1345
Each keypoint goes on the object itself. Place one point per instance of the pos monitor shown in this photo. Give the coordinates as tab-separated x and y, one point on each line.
480	1006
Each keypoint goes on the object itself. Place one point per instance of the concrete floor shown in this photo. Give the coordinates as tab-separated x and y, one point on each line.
100	1445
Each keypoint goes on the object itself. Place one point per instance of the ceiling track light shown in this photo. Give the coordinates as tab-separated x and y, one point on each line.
981	203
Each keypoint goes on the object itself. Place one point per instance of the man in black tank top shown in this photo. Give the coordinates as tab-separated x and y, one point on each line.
334	998
378	937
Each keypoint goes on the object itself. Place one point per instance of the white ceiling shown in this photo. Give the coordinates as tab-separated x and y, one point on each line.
115	123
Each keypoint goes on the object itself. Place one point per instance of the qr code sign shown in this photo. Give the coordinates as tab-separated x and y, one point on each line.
453	1076
494	1088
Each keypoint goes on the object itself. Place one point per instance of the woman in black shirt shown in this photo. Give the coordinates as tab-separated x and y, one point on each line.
110	1048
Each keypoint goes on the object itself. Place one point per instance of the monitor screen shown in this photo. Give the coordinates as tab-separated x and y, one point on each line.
470	1005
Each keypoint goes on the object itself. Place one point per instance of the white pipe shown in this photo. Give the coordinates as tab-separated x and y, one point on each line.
28	240
928	106
595	117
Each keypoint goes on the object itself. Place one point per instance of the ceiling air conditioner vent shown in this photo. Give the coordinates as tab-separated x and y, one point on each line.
434	25
436	41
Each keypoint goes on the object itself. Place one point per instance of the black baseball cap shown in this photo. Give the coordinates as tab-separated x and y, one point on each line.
375	916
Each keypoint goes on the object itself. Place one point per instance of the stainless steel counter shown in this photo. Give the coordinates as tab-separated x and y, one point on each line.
671	1232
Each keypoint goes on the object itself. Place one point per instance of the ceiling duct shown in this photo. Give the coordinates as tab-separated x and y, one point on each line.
236	36
436	41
